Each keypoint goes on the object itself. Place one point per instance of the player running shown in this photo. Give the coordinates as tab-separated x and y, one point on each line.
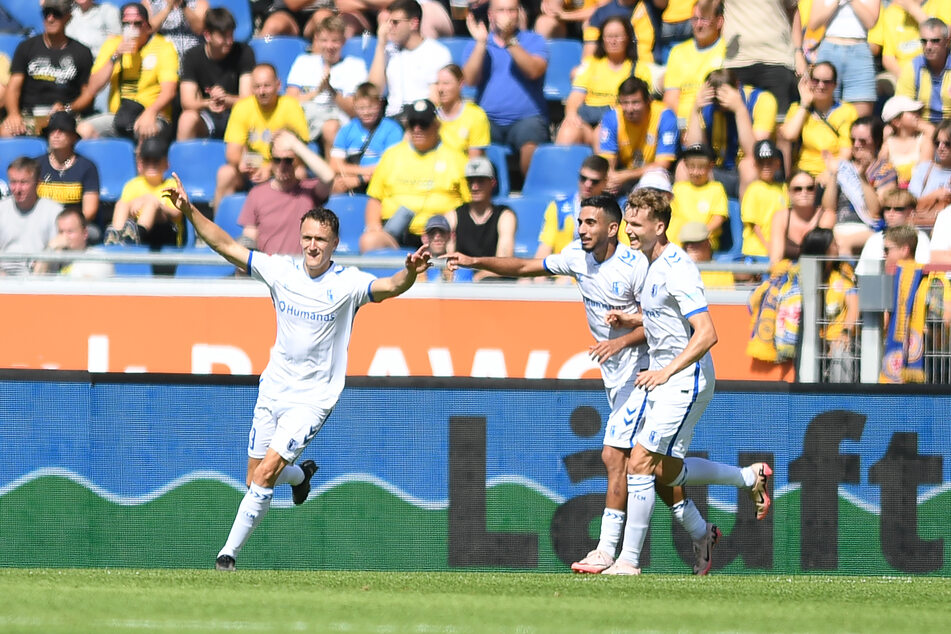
315	301
679	384
609	276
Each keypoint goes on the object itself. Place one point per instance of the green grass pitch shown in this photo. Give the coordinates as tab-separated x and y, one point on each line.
179	601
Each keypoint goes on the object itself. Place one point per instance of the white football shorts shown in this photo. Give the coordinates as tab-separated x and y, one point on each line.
627	410
673	410
284	428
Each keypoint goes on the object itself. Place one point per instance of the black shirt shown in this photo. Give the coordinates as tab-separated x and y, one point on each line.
50	75
67	188
196	67
477	240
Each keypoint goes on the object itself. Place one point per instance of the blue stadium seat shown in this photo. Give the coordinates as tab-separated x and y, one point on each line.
196	162
27	13
199	270
350	211
554	170
115	159
363	46
17	146
241	11
384	253
731	237
9	43
457	48
497	154
280	52
530	211
130	269
226	215
563	56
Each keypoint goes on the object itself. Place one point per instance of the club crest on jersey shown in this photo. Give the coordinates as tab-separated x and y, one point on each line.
330	296
616	287
654	290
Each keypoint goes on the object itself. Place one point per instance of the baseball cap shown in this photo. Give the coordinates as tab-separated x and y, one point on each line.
765	150
437	222
421	111
899	104
694	232
698	149
479	167
655	179
62	120
153	148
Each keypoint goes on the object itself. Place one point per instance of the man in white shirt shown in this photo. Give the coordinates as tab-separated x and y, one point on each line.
609	276
405	63
316	301
679	384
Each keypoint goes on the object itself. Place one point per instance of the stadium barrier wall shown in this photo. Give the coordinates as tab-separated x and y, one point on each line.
119	470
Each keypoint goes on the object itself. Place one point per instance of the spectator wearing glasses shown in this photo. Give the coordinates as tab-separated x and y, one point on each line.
560	224
790	225
272	211
897	207
48	73
854	187
636	136
141	69
896	35
405	63
414	180
927	78
931	180
819	123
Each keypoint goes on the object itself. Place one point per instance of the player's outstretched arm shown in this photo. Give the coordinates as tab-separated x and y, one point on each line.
213	235
401	281
506	267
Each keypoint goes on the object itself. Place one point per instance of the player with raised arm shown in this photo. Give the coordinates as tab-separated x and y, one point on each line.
609	276
316	301
679	384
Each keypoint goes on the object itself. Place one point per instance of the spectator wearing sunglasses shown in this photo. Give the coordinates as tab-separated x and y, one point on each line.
560	224
790	225
897	207
927	78
48	73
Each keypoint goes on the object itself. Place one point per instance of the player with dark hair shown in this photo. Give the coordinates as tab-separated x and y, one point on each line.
610	275
315	301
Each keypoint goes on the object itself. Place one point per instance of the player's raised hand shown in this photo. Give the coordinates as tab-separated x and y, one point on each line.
458	260
420	261
620	319
176	195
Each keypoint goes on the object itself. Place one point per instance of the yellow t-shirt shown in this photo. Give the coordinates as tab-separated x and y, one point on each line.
678	11
760	202
253	128
717	279
429	184
469	130
138	186
697	204
558	226
600	82
643	33
818	136
139	76
637	142
687	69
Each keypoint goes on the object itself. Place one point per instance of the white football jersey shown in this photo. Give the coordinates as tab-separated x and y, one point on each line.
673	292
308	362
612	284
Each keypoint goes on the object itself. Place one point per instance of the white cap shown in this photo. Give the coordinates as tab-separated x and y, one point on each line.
899	104
655	179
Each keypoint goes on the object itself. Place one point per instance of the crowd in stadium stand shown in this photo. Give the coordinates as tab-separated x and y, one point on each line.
765	120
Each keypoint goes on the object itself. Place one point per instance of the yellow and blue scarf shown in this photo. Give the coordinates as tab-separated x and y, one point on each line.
903	358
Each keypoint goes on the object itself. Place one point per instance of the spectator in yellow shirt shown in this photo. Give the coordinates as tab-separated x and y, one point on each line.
253	122
699	198
691	61
463	125
142	215
763	198
414	180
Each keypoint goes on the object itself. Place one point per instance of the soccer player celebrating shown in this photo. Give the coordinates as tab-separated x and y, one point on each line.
597	261
315	301
679	384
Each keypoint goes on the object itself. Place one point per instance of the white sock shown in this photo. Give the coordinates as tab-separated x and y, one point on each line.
291	474
688	515
253	508
640	507
612	521
702	471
